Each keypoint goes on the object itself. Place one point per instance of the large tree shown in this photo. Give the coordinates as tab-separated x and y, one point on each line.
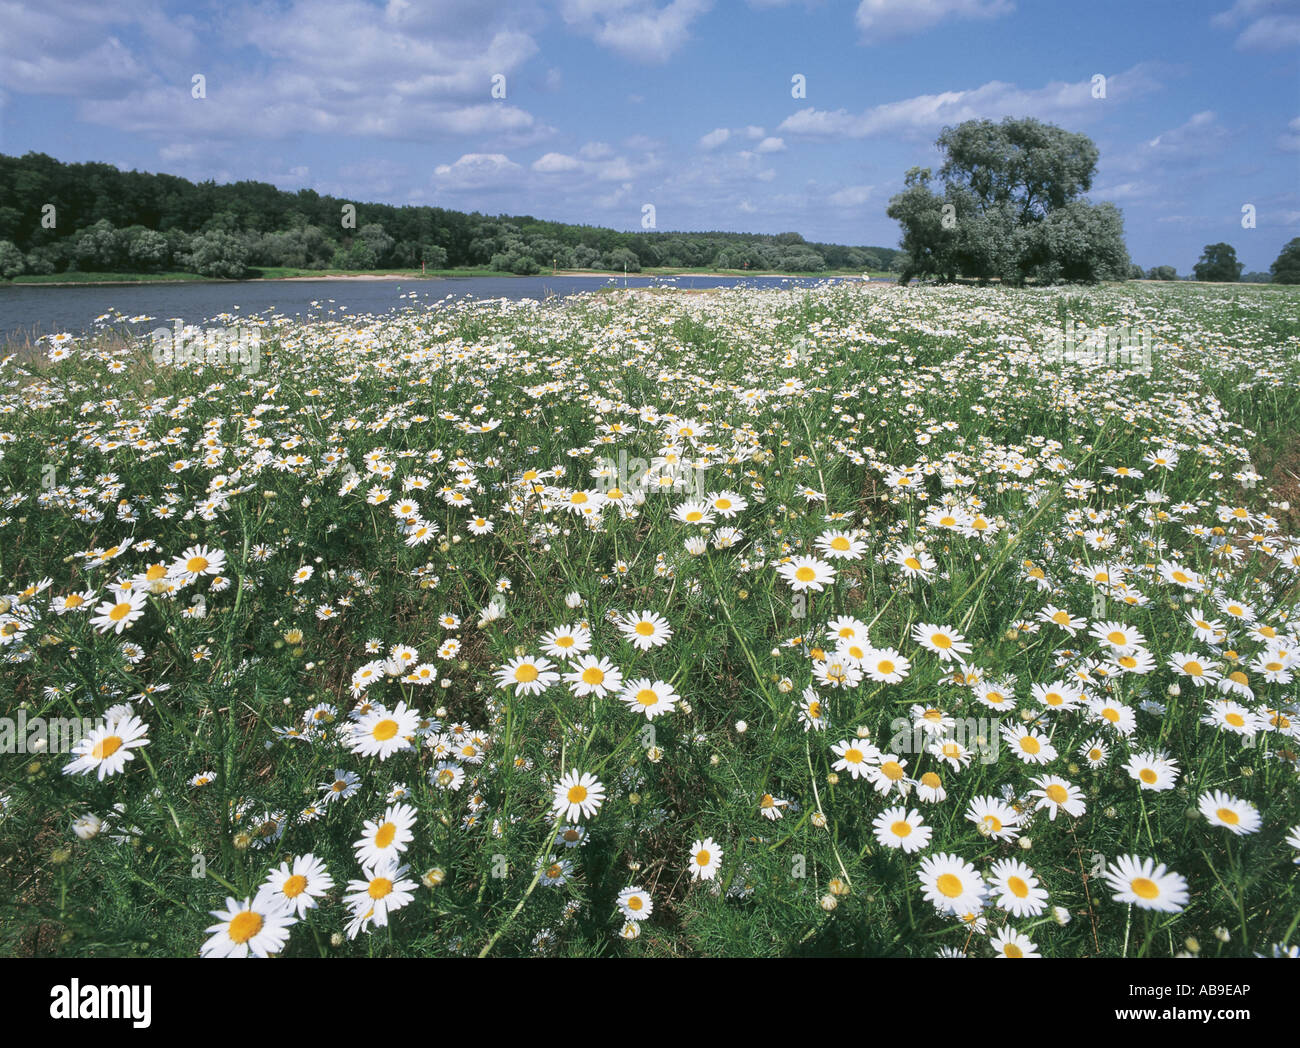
1012	206
1218	262
1286	269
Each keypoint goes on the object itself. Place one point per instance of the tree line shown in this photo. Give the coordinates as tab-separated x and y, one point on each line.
57	217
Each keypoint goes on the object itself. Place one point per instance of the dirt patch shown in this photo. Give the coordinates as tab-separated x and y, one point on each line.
1280	464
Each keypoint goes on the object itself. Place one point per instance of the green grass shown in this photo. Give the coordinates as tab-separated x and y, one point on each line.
807	406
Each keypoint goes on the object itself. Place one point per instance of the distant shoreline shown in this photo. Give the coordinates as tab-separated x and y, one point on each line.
468	274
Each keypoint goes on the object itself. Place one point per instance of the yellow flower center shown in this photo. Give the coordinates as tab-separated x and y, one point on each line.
1056	793
1030	744
120	611
106	747
941	640
295	886
1229	816
196	564
593	675
1148	776
1018	887
948	885
839	543
702	857
645	629
384	730
526	673
380	887
244	926
647	696
577	794
901	828
892	770
385	836
805	574
1146	889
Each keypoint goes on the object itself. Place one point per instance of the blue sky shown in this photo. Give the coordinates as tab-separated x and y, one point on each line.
684	104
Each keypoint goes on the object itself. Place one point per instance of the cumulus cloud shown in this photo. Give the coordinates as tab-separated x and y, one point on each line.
1262	25
886	19
636	29
1055	102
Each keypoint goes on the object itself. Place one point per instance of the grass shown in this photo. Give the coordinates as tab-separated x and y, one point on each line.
570	467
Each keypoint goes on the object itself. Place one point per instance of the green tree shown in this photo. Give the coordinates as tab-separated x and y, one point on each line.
1218	262
11	260
1012	207
1162	273
1286	268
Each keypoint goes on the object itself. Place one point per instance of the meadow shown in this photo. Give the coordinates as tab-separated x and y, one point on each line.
846	621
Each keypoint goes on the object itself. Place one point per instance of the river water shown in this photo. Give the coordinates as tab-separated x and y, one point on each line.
32	310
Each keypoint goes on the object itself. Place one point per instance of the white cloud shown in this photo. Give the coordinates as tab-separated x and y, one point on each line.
554	163
715	138
771	145
884	19
1267	25
635	29
1054	102
1289	141
477	171
851	196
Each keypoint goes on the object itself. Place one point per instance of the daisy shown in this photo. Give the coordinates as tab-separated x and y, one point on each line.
929	788
1190	664
381	734
1241	817
948	749
1057	795
107	749
198	561
837	673
994	818
807	573
299	885
812	711
1016	888
1153	771
916	563
578	796
952	884
889	774
1011	943
382	890
1233	717
447	776
649	697
1208	631
646	630
1144	884
1095	752
117	614
844	628
706	859
944	641
567	641
1029	745
770	807
343	786
635	904
1057	617
1121	639
726	503
900	828
1115	714
530	676
840	545
257	926
856	756
885	665
387	837
1056	696
693	513
594	676
554	873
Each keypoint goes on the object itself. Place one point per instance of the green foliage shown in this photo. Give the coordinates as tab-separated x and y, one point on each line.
1286	267
1012	209
1218	262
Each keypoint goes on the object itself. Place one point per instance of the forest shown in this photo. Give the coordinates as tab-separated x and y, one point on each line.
58	217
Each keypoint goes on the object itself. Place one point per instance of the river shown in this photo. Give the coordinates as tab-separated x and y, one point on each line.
33	309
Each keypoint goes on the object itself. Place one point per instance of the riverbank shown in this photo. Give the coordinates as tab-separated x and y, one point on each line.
287	276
